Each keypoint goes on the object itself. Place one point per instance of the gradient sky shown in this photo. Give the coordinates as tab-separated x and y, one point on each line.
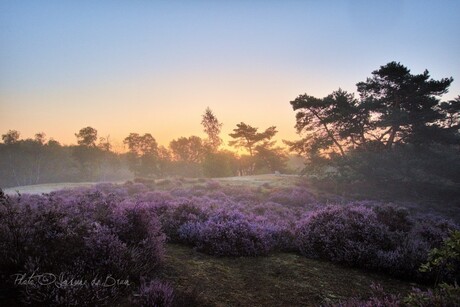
154	66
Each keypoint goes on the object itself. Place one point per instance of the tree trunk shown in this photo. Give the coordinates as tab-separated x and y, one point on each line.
329	133
391	139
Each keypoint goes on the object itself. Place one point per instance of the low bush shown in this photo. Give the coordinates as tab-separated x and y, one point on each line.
350	235
367	237
295	197
154	293
120	230
228	234
177	215
76	237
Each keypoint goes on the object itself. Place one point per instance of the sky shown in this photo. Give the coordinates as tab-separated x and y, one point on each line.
154	66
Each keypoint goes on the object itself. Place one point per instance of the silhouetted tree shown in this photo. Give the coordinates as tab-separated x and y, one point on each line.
87	137
247	137
395	107
404	107
259	146
12	136
270	159
104	143
331	123
88	159
40	137
451	114
164	161
22	161
188	154
220	164
189	149
143	154
140	145
397	137
35	161
212	128
86	153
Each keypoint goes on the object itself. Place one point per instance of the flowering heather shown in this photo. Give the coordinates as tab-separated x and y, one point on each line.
350	235
228	233
154	293
293	197
81	234
364	236
121	230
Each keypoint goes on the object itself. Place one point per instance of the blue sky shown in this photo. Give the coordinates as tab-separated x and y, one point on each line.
154	66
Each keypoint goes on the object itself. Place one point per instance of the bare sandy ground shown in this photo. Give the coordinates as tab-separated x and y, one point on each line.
278	180
46	188
256	180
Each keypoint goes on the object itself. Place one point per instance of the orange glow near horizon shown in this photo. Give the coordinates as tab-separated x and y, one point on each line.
156	107
153	67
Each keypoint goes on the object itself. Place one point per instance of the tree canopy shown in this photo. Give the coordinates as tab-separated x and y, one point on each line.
260	146
12	136
189	149
212	128
247	137
394	107
143	153
87	137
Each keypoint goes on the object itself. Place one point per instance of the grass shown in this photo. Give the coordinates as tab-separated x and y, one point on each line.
281	279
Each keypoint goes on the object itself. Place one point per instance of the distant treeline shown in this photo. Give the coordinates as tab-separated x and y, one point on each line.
38	160
34	161
396	138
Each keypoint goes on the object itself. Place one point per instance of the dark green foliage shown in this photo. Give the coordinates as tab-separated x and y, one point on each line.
220	164
263	155
409	172
395	107
335	120
445	260
405	106
397	139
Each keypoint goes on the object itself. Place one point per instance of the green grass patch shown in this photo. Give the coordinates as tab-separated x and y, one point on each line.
281	279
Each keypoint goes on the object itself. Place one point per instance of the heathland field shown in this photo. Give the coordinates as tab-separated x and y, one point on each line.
268	240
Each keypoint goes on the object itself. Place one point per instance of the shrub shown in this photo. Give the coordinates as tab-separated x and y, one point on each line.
443	296
361	236
295	197
154	294
78	235
228	234
445	260
350	235
176	216
139	228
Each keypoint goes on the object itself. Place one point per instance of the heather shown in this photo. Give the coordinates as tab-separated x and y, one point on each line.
383	238
121	230
76	248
